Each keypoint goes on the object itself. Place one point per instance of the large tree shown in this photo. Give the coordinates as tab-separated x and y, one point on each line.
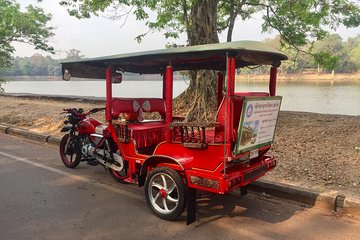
29	26
299	22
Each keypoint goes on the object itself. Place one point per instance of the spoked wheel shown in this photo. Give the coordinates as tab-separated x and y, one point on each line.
165	193
120	176
69	155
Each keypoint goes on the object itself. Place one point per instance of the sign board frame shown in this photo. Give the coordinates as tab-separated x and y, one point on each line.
258	121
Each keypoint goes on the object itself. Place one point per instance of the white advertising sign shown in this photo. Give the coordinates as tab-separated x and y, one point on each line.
257	123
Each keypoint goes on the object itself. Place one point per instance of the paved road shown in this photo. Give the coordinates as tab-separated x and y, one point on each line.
41	199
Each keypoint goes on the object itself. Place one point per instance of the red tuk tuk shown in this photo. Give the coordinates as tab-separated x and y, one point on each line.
170	157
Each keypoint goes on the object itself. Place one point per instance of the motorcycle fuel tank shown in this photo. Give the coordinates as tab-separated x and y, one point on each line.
87	126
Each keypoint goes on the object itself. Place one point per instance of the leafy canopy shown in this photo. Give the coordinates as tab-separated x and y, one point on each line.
28	26
297	21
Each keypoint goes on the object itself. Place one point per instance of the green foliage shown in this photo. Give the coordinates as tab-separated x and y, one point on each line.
28	26
330	53
302	21
300	24
38	65
355	55
328	61
297	21
353	46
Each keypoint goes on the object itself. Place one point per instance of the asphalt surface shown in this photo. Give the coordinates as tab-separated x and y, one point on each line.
42	199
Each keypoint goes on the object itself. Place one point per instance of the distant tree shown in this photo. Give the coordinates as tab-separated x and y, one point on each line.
329	52
25	68
355	56
36	65
353	47
29	26
73	54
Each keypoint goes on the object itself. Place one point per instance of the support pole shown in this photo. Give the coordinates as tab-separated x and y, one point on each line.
230	93
108	94
168	101
272	84
220	78
231	76
164	87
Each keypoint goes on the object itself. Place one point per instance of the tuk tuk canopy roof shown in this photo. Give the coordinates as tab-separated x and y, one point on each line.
209	56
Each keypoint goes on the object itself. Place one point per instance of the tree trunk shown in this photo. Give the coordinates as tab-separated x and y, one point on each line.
200	98
232	17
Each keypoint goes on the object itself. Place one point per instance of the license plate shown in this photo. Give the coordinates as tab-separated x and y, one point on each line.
255	173
254	153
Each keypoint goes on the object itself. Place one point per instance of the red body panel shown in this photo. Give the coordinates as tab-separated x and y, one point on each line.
207	160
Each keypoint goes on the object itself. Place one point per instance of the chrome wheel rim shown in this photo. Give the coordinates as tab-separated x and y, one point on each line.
163	193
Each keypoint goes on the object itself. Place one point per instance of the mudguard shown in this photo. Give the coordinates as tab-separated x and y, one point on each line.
66	128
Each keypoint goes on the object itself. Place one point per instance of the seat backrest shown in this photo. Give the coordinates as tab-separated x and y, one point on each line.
238	101
133	105
220	114
236	107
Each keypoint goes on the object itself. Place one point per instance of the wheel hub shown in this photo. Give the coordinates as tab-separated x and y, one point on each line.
163	193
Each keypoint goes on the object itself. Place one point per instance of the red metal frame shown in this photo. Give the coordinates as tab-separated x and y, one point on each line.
220	77
108	94
168	100
272	84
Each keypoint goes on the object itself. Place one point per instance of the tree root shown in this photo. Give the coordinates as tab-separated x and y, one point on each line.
198	102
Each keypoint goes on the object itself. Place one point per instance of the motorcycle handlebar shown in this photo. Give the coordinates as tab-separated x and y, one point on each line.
95	110
80	111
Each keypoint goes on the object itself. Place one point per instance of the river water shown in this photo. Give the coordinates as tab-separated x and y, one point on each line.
318	97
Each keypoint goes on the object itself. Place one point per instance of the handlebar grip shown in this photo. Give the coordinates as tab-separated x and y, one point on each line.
94	110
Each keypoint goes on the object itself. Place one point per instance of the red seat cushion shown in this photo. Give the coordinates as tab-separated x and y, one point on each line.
212	137
147	133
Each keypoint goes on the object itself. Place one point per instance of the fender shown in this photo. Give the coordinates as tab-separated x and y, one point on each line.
154	161
66	128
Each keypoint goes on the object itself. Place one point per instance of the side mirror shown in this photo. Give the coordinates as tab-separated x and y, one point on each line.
116	78
66	75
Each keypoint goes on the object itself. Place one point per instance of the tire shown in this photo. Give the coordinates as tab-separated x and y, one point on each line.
165	193
69	154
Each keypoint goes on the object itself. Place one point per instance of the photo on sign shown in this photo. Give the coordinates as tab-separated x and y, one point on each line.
249	132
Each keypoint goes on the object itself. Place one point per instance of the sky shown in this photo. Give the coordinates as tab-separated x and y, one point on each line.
100	36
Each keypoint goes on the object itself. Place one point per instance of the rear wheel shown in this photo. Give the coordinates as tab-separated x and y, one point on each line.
165	193
69	154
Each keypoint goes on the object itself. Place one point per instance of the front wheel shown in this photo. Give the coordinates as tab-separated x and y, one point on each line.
70	156
165	193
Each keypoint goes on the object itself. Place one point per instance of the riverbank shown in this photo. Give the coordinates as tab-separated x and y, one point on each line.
317	151
303	77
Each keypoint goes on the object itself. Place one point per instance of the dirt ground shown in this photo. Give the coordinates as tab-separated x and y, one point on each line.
317	151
